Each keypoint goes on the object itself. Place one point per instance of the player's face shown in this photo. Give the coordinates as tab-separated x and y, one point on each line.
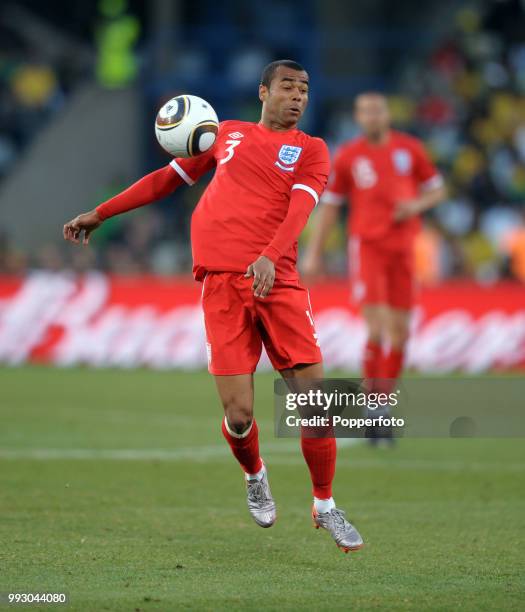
372	116
286	99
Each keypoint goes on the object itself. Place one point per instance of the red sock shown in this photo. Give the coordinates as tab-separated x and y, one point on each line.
246	448
372	360
320	454
391	369
393	363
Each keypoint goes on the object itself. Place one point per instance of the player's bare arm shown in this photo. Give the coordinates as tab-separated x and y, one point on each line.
326	218
426	201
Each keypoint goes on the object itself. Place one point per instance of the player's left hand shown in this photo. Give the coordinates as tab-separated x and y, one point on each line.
263	272
405	210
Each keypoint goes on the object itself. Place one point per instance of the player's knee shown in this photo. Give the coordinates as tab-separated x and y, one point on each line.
399	337
238	414
374	335
375	332
374	329
239	423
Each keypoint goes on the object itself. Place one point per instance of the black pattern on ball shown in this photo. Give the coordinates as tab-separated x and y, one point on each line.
194	138
171	121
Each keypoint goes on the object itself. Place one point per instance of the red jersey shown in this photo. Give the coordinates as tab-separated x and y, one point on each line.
375	178
247	199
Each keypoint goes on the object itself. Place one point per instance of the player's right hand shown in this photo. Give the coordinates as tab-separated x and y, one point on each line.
87	223
263	272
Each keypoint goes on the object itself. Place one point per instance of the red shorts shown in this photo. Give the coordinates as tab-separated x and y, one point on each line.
238	324
380	275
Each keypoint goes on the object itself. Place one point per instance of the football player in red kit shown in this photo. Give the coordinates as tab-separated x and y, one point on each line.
244	230
388	180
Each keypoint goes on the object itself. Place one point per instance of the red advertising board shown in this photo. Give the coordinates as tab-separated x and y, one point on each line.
127	322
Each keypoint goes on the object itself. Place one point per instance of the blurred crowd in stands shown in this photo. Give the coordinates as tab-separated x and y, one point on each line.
31	91
466	99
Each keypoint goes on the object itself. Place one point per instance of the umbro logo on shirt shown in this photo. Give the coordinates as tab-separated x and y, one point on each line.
235	135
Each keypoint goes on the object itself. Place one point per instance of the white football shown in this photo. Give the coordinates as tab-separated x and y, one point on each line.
186	126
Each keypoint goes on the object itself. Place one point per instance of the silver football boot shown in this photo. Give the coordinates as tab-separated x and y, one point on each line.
260	501
344	533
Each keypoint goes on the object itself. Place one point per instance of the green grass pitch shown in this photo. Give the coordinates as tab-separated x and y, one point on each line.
117	488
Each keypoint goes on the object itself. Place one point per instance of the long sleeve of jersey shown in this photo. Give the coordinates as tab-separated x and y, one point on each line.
308	186
148	189
299	209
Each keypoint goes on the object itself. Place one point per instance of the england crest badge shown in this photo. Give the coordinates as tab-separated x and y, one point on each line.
289	154
402	161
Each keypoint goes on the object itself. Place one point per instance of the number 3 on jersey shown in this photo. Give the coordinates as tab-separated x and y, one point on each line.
230	150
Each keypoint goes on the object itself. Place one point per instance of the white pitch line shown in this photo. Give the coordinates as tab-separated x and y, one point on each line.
195	453
282	453
119	454
393	464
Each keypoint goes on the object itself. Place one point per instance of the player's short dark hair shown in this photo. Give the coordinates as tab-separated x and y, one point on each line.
269	71
369	92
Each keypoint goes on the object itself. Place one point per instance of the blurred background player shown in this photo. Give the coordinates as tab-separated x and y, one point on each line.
388	179
268	178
